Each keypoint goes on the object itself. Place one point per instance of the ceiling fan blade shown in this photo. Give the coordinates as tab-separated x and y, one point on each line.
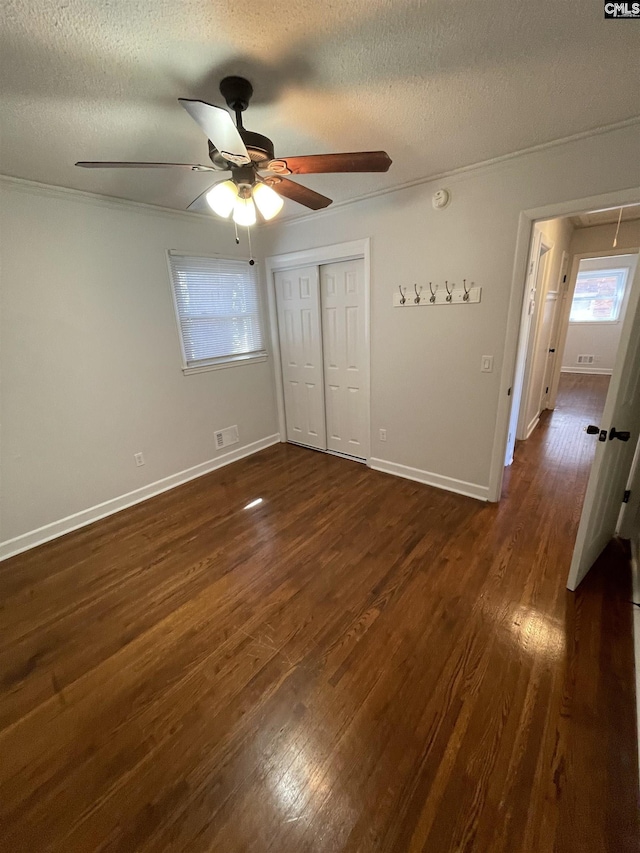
357	161
106	164
219	128
296	192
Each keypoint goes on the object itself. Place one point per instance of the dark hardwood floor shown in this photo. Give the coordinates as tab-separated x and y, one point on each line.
359	663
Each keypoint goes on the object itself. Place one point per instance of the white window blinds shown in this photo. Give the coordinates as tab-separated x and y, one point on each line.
218	307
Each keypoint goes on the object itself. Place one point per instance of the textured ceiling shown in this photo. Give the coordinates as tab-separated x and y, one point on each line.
438	84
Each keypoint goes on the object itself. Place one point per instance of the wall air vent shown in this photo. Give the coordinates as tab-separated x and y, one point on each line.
585	359
226	436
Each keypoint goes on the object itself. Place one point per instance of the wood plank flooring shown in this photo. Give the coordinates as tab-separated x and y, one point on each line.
359	663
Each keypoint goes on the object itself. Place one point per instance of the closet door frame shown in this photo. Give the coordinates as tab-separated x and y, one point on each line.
356	249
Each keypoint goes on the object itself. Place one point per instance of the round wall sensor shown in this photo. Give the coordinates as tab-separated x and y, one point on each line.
441	199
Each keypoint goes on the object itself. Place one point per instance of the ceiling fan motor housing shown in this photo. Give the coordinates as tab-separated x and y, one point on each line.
259	147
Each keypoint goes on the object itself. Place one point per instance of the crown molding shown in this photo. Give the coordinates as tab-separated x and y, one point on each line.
114	202
479	167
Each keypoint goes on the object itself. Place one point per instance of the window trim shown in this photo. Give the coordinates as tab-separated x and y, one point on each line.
222	362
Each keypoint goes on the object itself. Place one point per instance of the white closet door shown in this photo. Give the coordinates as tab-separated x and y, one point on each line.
298	303
346	363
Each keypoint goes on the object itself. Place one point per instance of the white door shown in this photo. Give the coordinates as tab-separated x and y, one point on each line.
519	387
536	352
549	399
552	350
298	306
346	363
629	521
540	376
613	459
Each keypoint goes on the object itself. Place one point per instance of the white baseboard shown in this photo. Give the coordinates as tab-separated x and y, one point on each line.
87	516
450	484
596	371
635	595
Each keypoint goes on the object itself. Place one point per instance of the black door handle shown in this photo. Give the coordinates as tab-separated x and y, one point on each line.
622	435
595	430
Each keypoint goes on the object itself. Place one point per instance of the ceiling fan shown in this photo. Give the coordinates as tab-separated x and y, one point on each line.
258	178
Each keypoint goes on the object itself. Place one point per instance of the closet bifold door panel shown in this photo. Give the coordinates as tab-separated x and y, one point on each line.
299	327
346	364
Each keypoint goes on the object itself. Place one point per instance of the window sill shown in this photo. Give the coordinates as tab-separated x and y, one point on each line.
222	365
594	322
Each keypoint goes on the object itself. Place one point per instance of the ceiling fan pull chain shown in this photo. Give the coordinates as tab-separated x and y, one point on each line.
235	225
251	261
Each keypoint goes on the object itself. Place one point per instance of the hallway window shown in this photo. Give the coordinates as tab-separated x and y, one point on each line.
598	295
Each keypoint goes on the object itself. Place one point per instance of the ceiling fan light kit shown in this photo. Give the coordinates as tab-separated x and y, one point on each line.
227	197
268	202
222	197
257	178
244	212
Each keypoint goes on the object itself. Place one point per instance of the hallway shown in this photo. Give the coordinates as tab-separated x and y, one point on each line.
559	442
358	663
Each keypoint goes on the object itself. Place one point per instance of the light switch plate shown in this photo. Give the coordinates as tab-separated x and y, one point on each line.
486	365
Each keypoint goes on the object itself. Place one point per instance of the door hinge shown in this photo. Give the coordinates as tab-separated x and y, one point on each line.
509	392
627	495
547	390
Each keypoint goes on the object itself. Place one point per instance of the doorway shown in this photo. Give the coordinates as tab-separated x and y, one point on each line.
577	291
319	306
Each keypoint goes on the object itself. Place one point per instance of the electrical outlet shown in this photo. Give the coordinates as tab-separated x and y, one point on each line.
486	365
383	435
139	459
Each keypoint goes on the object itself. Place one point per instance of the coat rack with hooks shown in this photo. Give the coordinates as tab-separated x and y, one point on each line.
449	293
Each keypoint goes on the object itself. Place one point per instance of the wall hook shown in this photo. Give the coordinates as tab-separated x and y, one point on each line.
465	298
417	296
432	298
449	292
403	298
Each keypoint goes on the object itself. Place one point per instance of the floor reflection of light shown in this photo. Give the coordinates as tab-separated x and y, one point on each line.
537	632
253	503
303	785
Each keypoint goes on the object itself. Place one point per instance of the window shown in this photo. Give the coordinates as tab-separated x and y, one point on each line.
218	308
599	293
